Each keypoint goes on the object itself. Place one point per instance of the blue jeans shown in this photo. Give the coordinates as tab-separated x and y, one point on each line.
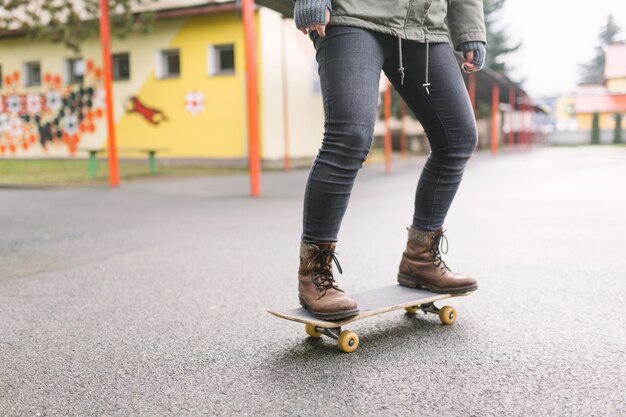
350	60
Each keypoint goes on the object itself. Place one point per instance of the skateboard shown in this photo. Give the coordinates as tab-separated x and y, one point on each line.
372	303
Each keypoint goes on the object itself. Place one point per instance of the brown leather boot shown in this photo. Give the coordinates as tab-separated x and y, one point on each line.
317	288
422	267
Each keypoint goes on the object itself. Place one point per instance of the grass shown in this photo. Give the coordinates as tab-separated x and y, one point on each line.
76	172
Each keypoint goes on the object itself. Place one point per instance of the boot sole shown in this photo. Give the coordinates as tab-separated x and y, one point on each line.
332	316
413	283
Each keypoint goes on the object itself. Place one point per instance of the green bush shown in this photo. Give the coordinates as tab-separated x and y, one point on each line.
618	134
595	129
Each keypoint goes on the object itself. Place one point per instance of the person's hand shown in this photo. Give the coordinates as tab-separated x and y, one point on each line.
320	29
473	56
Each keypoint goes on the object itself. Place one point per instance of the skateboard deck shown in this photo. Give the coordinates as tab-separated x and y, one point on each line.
372	303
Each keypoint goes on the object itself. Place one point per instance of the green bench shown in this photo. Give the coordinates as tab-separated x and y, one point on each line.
151	152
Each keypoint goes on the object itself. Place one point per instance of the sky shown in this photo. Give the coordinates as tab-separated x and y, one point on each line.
556	36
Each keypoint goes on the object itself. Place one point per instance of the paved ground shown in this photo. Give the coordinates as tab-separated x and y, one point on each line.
150	299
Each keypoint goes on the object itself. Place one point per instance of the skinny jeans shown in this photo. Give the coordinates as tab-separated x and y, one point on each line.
350	61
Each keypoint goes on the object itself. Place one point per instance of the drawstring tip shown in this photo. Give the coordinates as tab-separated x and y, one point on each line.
425	85
401	71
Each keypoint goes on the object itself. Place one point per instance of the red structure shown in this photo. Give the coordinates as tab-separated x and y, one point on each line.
495	103
403	144
509	139
387	114
254	158
471	89
105	39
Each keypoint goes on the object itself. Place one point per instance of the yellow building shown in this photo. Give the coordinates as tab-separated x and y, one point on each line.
606	99
179	89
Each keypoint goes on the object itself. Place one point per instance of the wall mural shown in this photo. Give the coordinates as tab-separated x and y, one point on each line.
152	115
194	102
56	116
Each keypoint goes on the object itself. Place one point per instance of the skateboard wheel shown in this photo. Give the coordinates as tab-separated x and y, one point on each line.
411	310
447	315
348	341
310	330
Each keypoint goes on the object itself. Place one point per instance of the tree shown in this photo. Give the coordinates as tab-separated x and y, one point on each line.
595	129
593	71
71	22
498	47
618	137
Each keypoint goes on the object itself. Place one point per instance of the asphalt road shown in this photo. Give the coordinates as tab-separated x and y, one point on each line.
150	299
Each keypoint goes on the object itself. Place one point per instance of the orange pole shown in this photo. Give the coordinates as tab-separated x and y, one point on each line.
522	123
387	129
403	143
254	159
286	159
471	89
522	128
511	114
495	101
525	122
531	107
105	40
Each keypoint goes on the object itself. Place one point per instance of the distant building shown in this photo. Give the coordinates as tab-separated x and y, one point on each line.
606	99
180	88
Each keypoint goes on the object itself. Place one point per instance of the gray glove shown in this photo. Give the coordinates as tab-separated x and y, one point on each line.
479	53
310	12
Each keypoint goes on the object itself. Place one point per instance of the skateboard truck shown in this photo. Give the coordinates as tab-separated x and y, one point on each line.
447	314
430	308
332	333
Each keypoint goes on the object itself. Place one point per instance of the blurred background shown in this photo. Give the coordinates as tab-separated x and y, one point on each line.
555	74
135	271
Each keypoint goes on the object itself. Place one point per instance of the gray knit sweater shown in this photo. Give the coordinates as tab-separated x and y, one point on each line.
310	12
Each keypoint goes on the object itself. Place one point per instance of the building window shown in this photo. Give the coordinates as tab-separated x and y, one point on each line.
32	74
169	63
74	70
121	67
221	59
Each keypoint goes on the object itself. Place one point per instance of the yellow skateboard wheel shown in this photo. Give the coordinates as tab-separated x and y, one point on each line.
447	315
310	330
348	341
411	310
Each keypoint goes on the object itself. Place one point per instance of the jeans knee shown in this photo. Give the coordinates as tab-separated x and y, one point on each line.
465	144
347	149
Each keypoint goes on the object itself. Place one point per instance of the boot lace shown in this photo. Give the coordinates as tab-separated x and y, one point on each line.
436	249
323	274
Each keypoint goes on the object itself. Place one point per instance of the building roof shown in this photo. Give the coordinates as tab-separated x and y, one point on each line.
596	98
615	66
162	9
160	5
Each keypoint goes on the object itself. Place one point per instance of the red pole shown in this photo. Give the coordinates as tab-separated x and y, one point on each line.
387	129
495	101
105	40
254	160
522	124
526	126
403	144
511	115
287	159
471	89
531	108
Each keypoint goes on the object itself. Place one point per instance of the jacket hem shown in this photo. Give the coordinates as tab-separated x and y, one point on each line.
417	36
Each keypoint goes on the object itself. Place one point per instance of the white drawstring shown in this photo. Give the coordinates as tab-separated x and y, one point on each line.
400	67
426	83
